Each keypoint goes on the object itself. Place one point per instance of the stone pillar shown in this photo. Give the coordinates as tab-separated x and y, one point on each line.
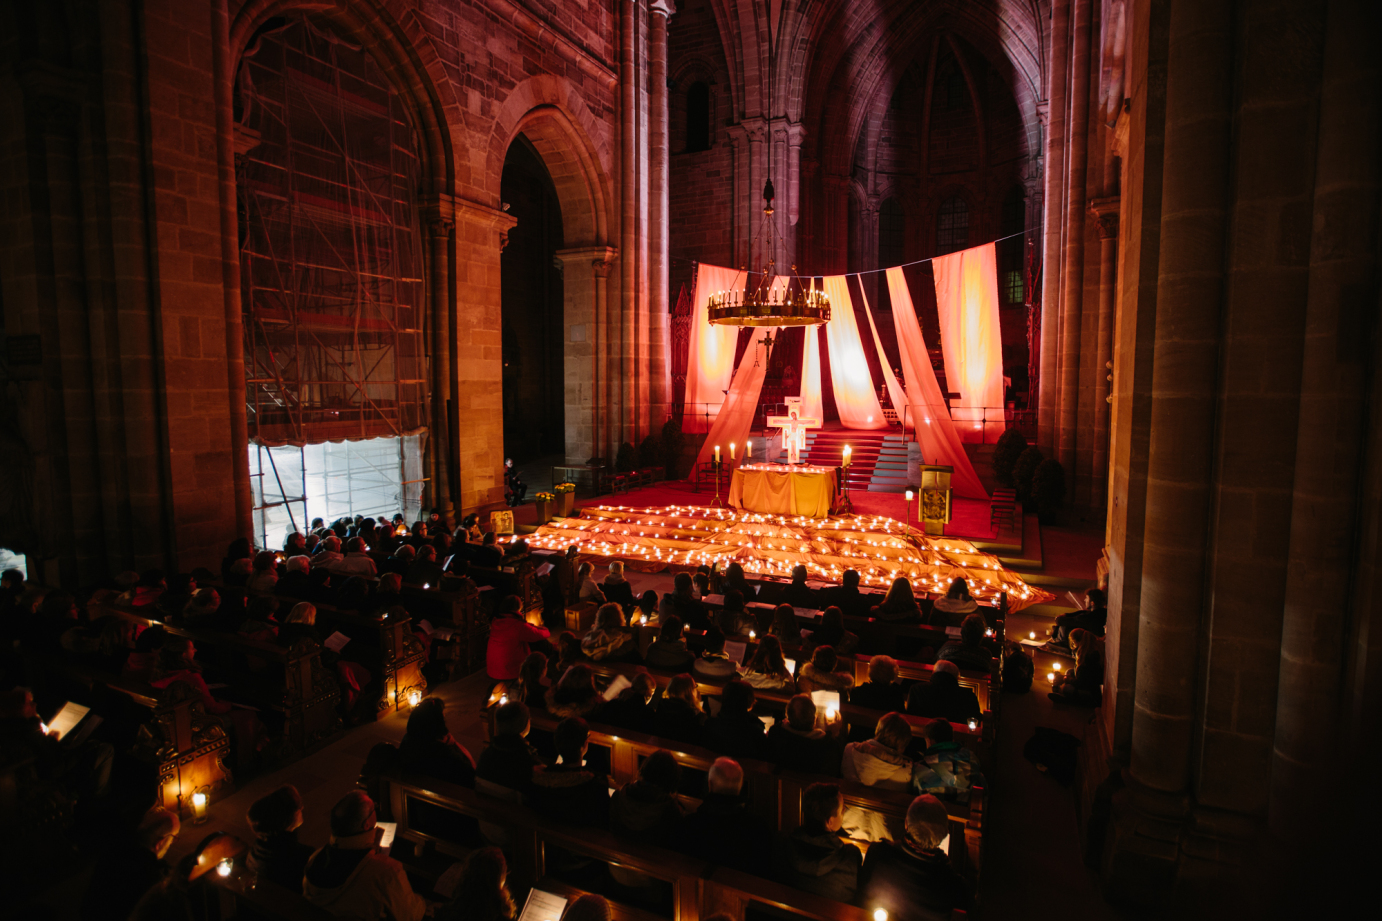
1105	212
1320	593
1072	270
224	72
659	327
752	206
834	224
439	225
1145	854
1049	390
585	271
478	375
630	170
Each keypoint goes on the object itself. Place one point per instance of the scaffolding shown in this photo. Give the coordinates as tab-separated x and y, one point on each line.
331	273
330	255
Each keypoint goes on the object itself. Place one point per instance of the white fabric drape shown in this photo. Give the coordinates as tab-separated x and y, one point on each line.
855	399
811	405
971	338
895	391
940	443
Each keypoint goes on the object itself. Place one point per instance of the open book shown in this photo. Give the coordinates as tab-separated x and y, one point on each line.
68	718
543	906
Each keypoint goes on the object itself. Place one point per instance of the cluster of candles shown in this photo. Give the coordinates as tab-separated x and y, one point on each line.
775	544
733	448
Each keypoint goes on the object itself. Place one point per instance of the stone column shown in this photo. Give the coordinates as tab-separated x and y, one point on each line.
439	227
1049	390
1320	593
1072	270
630	169
752	206
584	273
659	327
834	224
224	72
1105	212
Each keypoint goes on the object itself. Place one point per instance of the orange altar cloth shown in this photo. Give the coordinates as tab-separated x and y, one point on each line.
779	489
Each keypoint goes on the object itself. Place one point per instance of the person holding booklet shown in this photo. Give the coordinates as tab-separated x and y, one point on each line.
352	877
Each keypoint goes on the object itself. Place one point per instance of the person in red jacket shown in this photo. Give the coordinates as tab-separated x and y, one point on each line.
509	639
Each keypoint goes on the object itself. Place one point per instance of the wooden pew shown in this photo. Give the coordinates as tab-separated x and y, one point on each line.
698	889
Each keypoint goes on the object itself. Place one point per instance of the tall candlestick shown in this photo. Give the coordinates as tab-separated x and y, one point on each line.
748	449
848	451
731	450
717	454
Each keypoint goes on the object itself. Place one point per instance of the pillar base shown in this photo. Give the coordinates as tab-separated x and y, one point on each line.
1164	850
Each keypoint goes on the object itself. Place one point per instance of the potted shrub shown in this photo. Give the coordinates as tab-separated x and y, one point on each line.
649	454
1024	469
546	507
566	499
1048	489
625	461
1010	446
672	443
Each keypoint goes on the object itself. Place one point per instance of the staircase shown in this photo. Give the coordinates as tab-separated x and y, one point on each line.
890	471
825	449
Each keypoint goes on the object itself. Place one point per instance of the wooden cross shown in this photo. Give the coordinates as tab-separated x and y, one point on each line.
793	428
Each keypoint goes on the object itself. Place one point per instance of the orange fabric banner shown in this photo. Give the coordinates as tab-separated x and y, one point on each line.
895	391
940	443
811	406
710	362
855	399
971	340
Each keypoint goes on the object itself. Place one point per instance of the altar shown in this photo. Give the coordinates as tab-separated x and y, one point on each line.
783	489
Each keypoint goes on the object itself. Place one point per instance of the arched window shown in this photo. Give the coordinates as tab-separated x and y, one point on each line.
952	225
698	117
1011	271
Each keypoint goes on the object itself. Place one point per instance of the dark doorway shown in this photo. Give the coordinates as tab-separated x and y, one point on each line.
531	292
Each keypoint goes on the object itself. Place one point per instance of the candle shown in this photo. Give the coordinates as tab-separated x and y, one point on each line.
503	699
848	451
1051	677
223	868
414	697
748	449
717	454
880	915
909	495
1055	666
199	806
731	450
830	714
1032	634
973	724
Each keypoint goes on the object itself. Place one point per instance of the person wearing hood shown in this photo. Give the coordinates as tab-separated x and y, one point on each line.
881	762
574	694
429	749
633	709
351	877
610	639
798	744
814	858
669	649
820	675
915	873
722	829
679	715
646	811
567	792
276	854
950	609
509	760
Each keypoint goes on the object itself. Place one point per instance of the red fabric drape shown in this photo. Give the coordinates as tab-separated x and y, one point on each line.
940	443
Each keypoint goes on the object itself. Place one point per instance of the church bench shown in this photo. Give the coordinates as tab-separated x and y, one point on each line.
698	889
264	899
292	682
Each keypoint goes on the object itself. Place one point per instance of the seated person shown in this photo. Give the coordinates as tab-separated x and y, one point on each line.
683	603
351	877
899	606
767	667
820	673
945	769
713	664
943	697
586	589
646	610
428	747
679	714
424	569
401	560
832	632
129	865
357	561
950	609
482	893
566	791
846	596
328	554
915	872
488	555
735	730
881	761
616	588
510	639
633	708
276	854
263	574
609	639
139	665
470	524
786	628
669	649
646	810
294	583
734	579
509	760
1083	682
814	858
722	829
532	683
1093	617
574	693
299	624
568	654
700	585
969	651
802	742
881	691
799	594
732	618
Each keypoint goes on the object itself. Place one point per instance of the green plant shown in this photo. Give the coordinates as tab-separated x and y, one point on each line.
650	452
1027	463
672	442
1048	489
1010	446
625	460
